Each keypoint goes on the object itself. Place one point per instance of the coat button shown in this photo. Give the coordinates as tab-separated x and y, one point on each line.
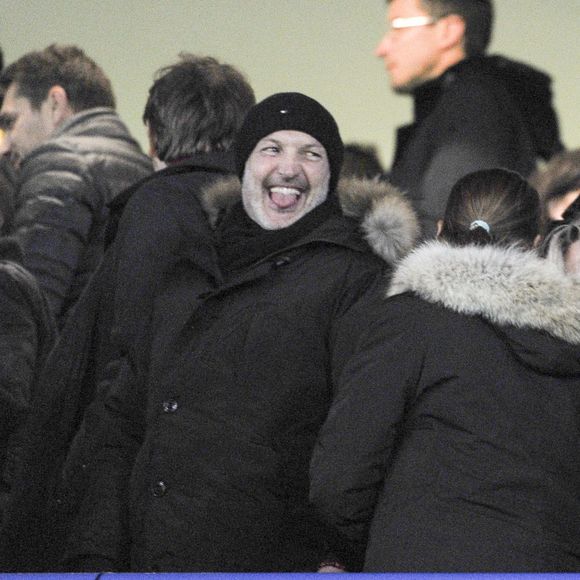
170	406
281	261
159	489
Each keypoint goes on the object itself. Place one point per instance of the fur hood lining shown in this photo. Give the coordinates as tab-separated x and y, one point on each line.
506	286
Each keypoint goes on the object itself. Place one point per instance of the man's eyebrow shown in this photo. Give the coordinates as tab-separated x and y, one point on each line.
6	120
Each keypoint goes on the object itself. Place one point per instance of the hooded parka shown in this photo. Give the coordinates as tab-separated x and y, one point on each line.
453	444
205	466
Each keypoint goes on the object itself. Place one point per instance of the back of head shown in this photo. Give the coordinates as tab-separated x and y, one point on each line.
196	106
478	18
67	66
492	206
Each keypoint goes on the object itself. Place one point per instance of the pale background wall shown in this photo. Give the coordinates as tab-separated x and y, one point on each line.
323	48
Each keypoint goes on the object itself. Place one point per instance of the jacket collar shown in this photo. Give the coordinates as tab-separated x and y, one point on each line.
506	286
386	221
86	121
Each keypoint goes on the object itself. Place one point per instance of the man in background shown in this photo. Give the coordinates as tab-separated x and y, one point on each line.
193	113
74	155
471	111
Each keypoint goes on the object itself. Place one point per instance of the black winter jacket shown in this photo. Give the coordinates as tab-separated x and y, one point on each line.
205	462
26	336
61	206
157	215
455	435
483	112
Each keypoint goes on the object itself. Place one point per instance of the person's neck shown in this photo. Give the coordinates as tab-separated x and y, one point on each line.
426	95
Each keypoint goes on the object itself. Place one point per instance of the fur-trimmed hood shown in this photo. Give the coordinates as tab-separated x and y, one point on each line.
387	221
513	289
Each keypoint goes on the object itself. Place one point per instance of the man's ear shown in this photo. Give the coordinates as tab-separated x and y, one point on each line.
452	33
57	106
152	138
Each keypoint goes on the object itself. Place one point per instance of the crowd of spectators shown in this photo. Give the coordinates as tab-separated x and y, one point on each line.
256	349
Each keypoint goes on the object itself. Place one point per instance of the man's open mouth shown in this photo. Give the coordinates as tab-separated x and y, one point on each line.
284	197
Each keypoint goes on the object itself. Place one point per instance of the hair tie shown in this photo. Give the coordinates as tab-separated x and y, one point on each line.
480	224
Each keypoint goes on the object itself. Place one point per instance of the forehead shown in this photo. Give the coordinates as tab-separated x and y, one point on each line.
402	8
291	138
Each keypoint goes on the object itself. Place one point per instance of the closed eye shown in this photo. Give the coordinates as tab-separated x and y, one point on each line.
312	154
270	149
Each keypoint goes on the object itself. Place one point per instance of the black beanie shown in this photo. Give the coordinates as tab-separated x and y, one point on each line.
293	112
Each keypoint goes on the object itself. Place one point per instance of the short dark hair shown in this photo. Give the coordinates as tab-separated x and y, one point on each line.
477	15
84	82
196	105
508	205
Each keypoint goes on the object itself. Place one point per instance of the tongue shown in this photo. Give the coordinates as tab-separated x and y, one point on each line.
283	201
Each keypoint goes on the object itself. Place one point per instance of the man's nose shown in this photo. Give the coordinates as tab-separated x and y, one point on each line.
288	166
382	48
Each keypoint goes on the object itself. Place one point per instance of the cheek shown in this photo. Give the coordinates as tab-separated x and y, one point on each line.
24	129
319	178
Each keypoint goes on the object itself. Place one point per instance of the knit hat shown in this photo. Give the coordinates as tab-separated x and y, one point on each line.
294	112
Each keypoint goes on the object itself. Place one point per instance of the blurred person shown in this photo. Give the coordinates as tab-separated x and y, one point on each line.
7	177
205	443
453	442
193	113
562	243
558	183
361	161
74	155
471	111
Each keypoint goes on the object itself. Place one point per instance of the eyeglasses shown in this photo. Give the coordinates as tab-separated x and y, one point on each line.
411	22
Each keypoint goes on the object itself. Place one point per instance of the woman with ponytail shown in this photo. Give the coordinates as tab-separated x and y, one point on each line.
453	442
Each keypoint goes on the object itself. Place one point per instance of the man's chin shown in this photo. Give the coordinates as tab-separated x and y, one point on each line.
279	220
402	89
282	221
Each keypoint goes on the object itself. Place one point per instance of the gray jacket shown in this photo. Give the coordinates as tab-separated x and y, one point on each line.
61	206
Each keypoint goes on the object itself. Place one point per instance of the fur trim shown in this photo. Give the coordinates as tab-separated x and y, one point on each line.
388	222
507	286
221	195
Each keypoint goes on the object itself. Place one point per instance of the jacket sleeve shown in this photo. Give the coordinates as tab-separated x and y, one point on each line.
27	333
57	202
19	347
352	453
